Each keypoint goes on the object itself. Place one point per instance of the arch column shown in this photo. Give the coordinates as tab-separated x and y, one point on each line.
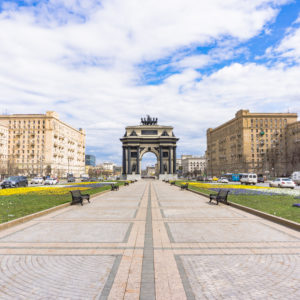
170	163
174	160
138	160
160	160
124	161
129	160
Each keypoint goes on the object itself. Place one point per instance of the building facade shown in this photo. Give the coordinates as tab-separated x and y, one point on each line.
41	144
251	142
90	160
3	150
293	147
193	165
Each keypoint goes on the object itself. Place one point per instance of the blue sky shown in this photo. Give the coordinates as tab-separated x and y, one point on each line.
102	65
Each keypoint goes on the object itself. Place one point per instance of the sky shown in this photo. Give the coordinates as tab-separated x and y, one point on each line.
104	64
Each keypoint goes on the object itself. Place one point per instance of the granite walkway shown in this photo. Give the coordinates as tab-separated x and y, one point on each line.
150	241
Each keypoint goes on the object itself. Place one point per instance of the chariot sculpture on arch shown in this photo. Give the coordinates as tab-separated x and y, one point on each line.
149	137
149	121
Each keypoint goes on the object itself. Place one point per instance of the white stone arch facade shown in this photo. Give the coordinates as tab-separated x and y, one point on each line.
141	139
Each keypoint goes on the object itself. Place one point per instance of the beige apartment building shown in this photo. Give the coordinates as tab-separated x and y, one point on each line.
41	144
3	149
251	142
293	147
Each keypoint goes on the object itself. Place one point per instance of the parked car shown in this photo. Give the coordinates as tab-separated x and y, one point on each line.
50	181
296	177
223	180
283	183
85	179
260	178
37	180
249	178
215	178
209	179
71	179
14	181
200	178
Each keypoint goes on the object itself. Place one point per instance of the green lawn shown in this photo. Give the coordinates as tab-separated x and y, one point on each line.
16	206
280	206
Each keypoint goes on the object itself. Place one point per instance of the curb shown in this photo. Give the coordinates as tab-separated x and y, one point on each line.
27	218
278	220
275	219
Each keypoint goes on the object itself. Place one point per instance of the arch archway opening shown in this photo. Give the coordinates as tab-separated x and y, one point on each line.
149	165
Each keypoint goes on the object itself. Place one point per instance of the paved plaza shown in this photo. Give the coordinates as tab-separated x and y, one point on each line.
149	240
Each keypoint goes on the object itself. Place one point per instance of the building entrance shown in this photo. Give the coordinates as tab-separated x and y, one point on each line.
149	137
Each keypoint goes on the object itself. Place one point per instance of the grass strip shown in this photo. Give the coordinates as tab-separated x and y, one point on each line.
20	205
276	205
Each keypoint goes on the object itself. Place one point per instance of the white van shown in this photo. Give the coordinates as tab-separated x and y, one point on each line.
249	178
296	177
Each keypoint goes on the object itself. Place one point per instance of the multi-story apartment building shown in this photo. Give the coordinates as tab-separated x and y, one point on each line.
3	149
193	164
42	144
251	142
293	147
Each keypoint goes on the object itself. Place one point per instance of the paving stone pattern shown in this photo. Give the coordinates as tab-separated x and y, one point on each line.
149	240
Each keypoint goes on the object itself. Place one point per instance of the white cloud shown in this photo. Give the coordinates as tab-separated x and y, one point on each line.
81	59
290	45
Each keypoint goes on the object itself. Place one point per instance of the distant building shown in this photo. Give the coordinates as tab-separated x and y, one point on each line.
117	170
254	142
90	160
3	149
193	165
150	171
108	166
42	144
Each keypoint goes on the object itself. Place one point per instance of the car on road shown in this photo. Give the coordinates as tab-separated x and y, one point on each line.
51	181
223	180
71	179
296	177
215	178
14	181
260	179
249	178
283	183
37	180
93	179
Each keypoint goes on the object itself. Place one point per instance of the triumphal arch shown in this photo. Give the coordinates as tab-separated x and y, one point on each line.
149	137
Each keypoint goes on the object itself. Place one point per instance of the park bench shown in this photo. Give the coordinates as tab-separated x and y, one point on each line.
126	183
221	196
77	197
114	187
184	186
